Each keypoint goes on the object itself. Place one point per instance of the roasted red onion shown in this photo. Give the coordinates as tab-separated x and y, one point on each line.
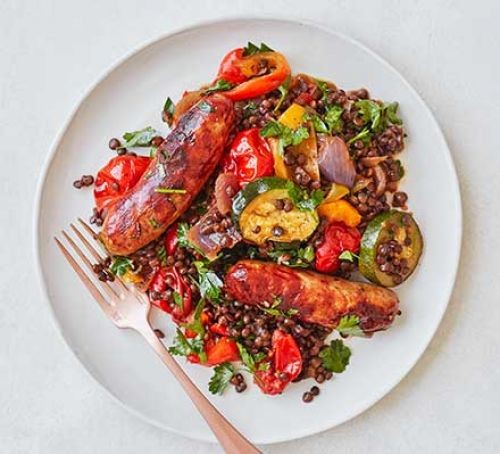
334	161
226	186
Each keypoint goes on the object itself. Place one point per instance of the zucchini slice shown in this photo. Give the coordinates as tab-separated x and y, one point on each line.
259	219
396	235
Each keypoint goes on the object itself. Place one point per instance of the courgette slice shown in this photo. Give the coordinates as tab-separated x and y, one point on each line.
398	232
259	219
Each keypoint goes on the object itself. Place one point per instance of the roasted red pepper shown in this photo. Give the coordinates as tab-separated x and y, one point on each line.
249	157
337	239
254	75
169	277
286	365
171	239
117	177
223	350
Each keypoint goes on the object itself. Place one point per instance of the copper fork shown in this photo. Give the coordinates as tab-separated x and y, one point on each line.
126	307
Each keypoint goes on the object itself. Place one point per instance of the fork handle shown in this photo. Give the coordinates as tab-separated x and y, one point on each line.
230	439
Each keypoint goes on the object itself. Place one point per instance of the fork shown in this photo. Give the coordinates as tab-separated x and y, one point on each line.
126	307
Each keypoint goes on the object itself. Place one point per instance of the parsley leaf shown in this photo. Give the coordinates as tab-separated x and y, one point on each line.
221	378
183	347
251	362
210	284
348	255
140	138
283	89
182	237
349	326
323	87
220	85
365	135
333	118
178	299
318	124
196	325
378	115
275	311
335	357
121	265
292	255
169	107
250	109
303	200
286	135
252	49
170	191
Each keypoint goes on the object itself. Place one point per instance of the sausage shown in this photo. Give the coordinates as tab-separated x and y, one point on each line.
318	298
184	161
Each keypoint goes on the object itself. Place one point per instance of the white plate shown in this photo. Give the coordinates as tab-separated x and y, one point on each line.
131	96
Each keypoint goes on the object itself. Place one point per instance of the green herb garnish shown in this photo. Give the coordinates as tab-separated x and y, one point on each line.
304	200
221	378
196	325
170	191
121	265
348	256
333	118
178	300
286	135
210	284
335	357
365	135
283	89
275	310
290	254
251	362
378	115
349	326
251	49
140	138
183	347
220	85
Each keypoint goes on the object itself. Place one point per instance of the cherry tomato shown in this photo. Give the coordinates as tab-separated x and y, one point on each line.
179	285
249	157
286	366
337	239
171	239
221	330
246	73
118	176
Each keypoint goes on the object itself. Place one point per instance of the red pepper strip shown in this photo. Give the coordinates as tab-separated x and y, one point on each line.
221	330
244	71
171	239
287	364
159	285
118	176
249	157
221	351
205	320
337	239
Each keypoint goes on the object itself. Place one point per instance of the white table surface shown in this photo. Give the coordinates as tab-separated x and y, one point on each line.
449	50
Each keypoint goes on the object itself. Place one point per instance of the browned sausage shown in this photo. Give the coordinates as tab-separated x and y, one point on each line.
184	161
319	298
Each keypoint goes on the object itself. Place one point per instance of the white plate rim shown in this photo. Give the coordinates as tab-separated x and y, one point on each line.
191	27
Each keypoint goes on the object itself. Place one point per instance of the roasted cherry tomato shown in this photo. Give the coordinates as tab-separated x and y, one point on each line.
286	366
254	75
337	239
117	177
171	239
169	277
249	157
221	330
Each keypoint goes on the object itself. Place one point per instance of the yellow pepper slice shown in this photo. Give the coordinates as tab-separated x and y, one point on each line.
340	211
336	192
292	117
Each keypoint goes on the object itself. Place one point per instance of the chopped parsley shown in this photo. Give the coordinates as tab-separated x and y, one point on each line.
275	310
161	254
252	49
252	363
283	89
348	256
335	357
221	378
378	115
196	325
333	118
183	347
250	109
220	85
286	135
154	223
141	138
292	255
304	200
121	265
209	283
182	237
178	300
365	136
349	326
170	191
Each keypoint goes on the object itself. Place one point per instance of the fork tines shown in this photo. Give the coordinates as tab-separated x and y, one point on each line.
88	277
